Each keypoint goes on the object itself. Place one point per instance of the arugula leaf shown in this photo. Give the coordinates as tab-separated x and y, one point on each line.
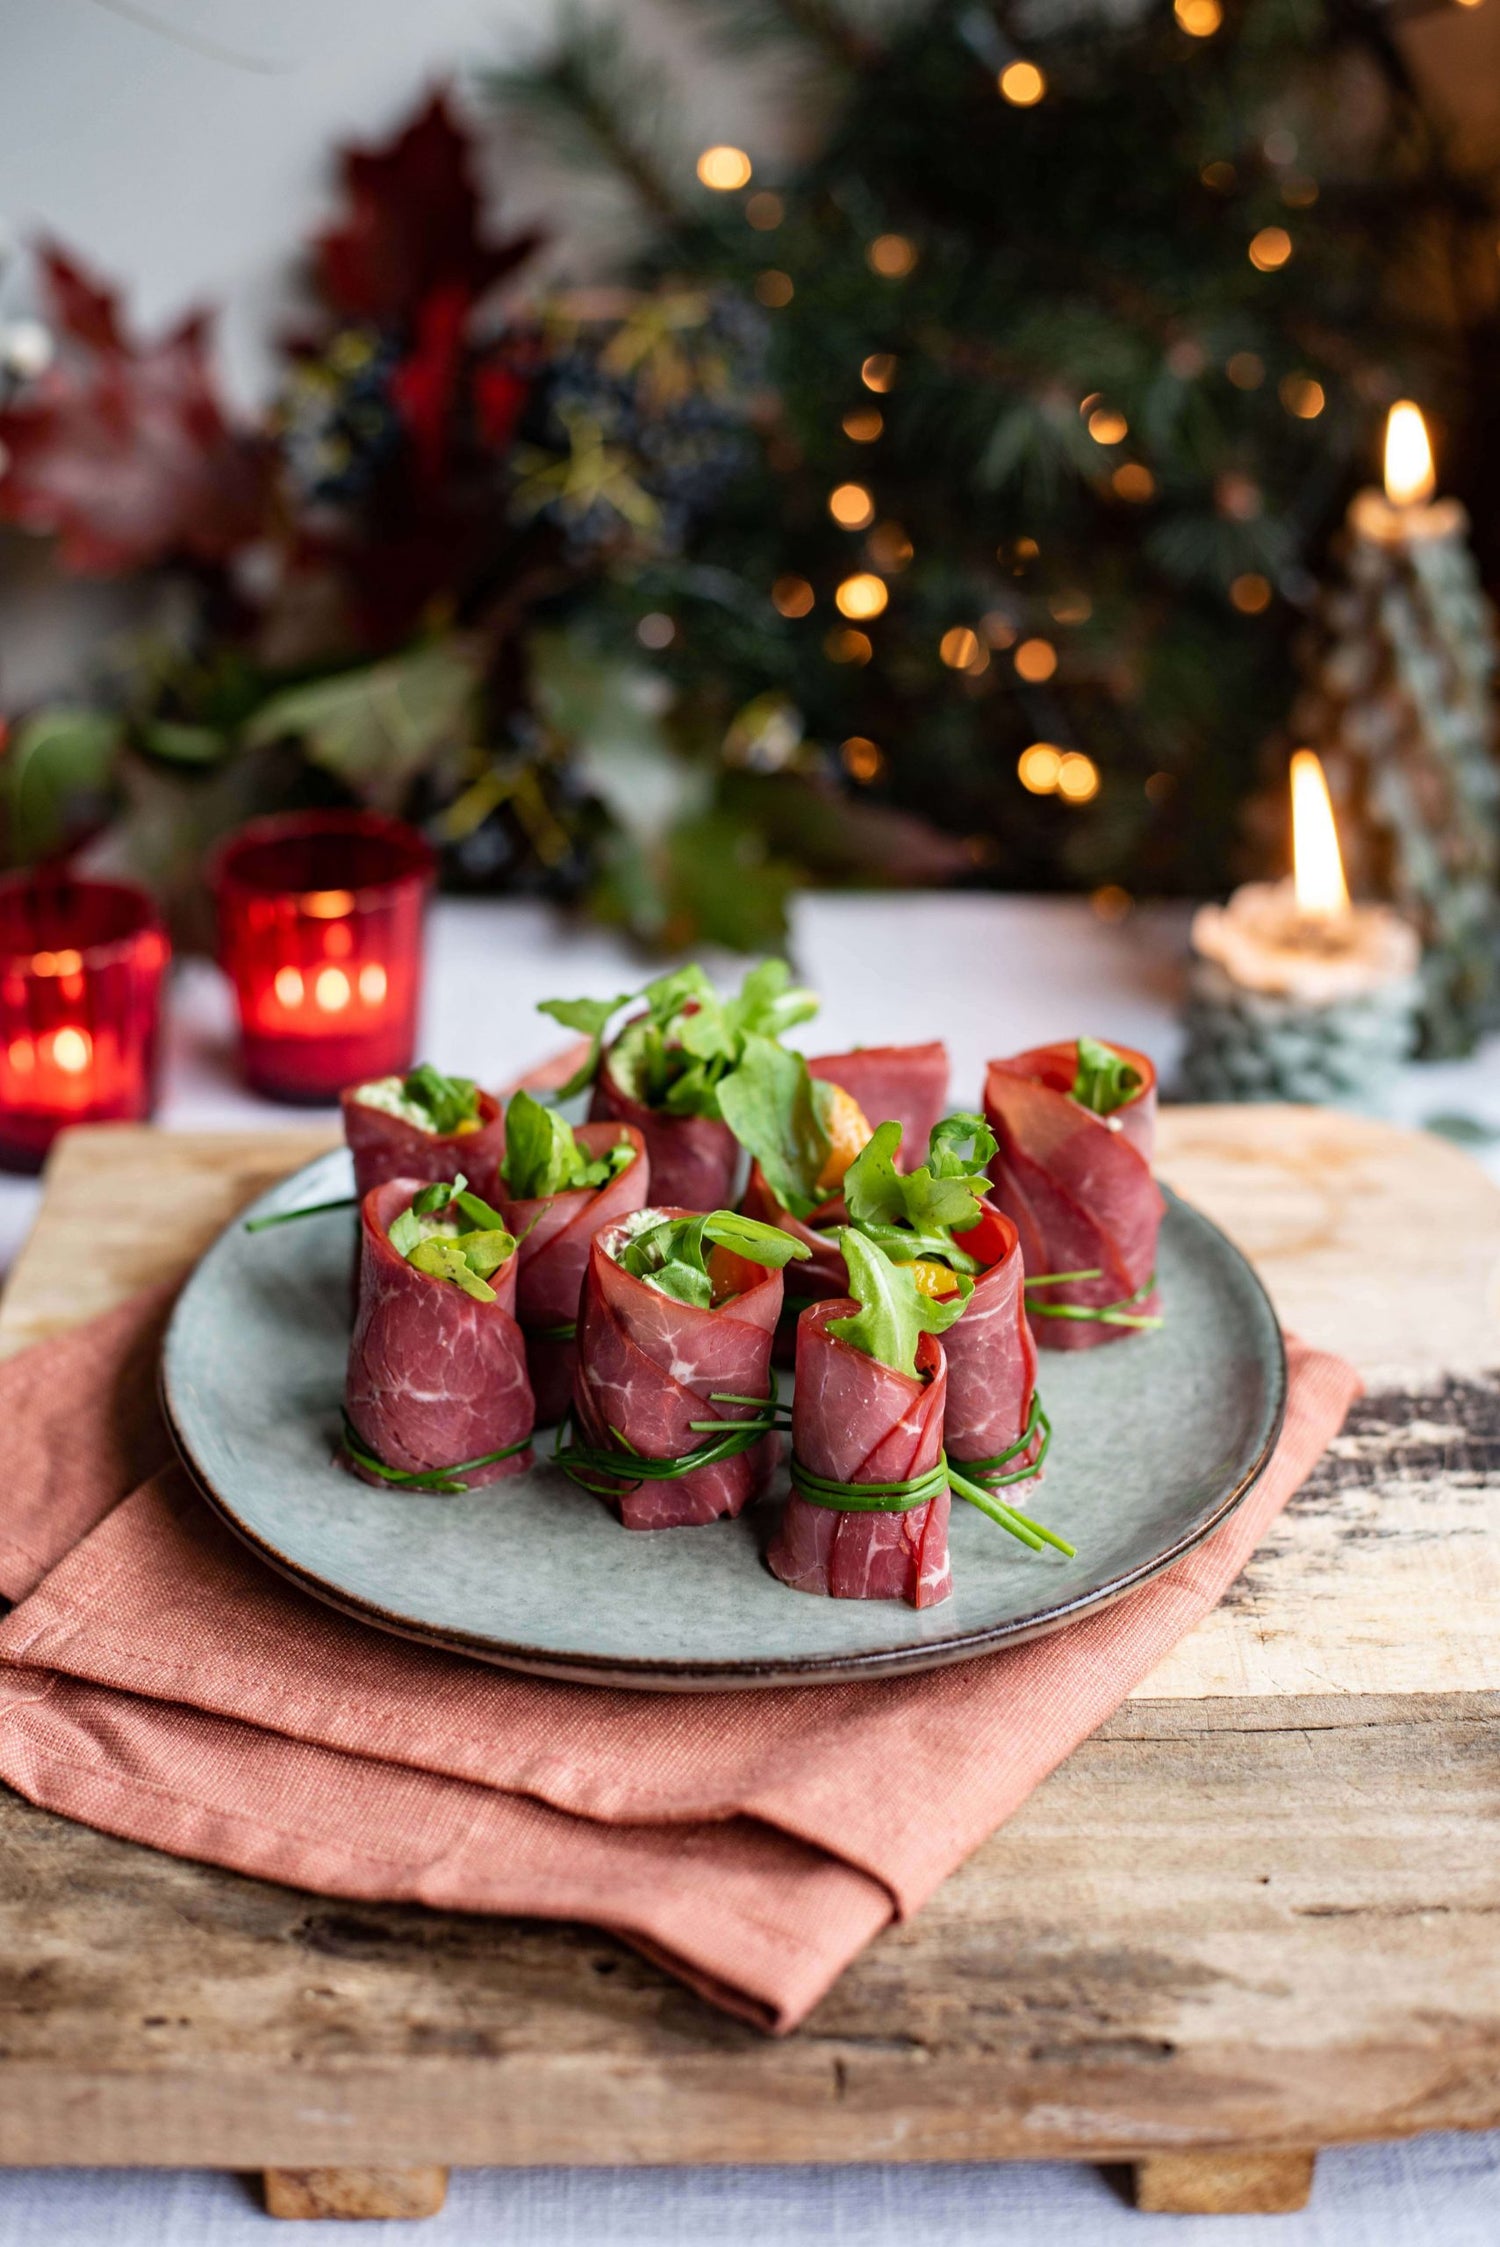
424	1235
960	1146
915	1214
675	1054
1104	1079
445	1260
671	1256
775	1110
892	1312
448	1101
544	1156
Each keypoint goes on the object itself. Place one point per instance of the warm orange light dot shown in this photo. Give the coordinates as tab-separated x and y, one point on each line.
1022	85
331	989
998	629
288	986
1270	249
1246	370
879	370
1133	480
372	983
792	596
1107	427
1111	903
848	646
889	548
774	289
892	256
1303	396
1038	768
851	507
765	211
21	1054
1078	778
1219	178
863	424
1035	660
862	595
958	647
862	760
72	1050
724	168
327	904
1200	19
1251	593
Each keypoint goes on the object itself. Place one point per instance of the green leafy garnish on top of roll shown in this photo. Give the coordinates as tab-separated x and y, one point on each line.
1104	1080
893	1312
544	1155
433	1240
915	1214
676	1054
671	1254
425	1098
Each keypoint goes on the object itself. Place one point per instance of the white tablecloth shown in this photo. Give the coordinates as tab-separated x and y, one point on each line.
995	974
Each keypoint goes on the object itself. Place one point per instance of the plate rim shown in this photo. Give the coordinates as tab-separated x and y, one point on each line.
660	1674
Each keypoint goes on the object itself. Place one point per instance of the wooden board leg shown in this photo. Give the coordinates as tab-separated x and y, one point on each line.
306	2194
1223	2182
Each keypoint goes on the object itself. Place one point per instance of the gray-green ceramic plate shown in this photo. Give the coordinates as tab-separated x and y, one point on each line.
1157	1439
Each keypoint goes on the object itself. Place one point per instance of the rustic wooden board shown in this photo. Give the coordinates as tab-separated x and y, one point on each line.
1256	1912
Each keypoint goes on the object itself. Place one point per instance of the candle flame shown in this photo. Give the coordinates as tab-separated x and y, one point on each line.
72	1050
1409	478
1318	870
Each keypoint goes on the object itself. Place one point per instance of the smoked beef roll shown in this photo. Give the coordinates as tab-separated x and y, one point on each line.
674	1338
1075	1127
425	1126
437	1396
856	1422
991	1418
557	1188
664	1072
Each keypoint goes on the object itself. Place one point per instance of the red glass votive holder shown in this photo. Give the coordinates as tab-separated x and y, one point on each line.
320	932
81	966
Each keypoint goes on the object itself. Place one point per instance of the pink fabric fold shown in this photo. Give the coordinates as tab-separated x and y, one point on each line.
157	1682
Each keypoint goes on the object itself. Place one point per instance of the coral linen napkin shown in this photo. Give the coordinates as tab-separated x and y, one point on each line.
158	1682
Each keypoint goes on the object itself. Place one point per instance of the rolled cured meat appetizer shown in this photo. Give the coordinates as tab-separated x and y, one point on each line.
423	1125
868	1513
674	1341
904	1084
665	1070
1075	1128
557	1188
437	1395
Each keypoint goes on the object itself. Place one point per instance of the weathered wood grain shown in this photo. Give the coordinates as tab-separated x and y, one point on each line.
1223	2184
1249	1924
312	2195
1255	1913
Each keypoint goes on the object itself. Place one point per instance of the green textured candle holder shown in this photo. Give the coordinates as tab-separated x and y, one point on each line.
1252	1045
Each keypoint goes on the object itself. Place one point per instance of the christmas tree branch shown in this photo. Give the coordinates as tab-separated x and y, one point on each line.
582	93
821	25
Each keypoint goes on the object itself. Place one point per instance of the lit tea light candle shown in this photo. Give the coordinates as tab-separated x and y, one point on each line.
1294	993
1407	512
320	931
81	964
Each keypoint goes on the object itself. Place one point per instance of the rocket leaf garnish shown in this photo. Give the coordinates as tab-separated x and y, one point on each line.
892	1312
675	1055
544	1156
916	1213
671	1255
425	1097
1104	1080
428	1236
776	1111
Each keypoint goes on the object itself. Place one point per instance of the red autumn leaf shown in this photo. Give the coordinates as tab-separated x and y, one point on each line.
122	451
413	225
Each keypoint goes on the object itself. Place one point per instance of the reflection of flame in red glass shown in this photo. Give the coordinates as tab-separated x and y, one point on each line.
320	926
81	964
